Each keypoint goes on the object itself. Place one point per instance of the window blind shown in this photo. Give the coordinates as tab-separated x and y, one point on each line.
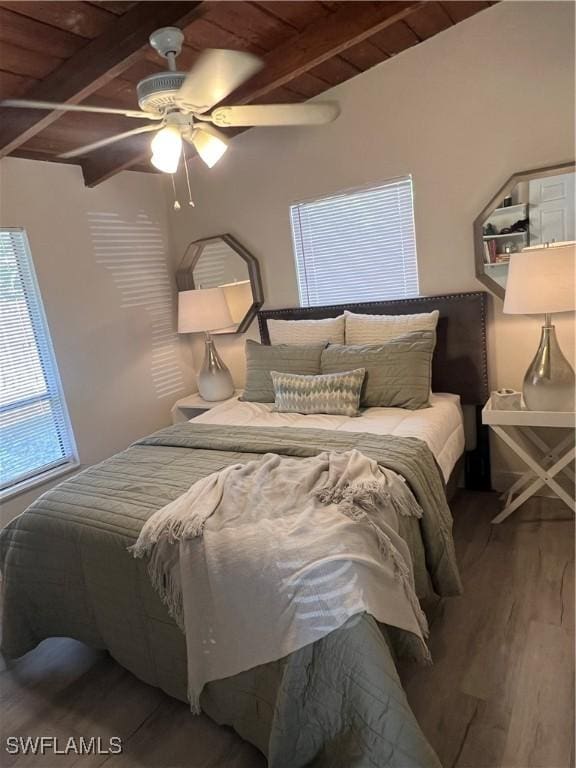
356	246
35	434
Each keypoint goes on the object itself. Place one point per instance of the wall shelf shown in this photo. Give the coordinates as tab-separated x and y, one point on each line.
509	209
507	234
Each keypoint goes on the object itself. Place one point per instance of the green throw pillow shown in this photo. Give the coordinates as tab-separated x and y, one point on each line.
398	373
261	359
333	393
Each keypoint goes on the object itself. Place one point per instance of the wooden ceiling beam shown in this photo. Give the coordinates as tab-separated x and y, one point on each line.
319	42
29	33
105	163
94	65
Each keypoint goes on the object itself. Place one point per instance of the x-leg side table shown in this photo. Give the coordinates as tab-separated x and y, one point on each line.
545	462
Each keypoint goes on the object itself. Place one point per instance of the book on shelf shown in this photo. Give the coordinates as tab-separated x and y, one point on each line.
490	251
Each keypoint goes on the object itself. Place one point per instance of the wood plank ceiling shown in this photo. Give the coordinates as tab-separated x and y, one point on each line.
96	52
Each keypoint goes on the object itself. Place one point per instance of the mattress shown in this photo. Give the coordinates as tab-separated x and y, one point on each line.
441	426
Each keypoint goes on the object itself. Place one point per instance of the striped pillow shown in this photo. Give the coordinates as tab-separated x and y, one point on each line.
398	373
261	359
379	329
333	393
328	331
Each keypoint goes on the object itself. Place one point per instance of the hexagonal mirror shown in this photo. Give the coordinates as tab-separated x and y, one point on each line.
222	262
533	208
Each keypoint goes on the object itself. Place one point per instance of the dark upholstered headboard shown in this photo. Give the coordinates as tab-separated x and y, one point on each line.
459	365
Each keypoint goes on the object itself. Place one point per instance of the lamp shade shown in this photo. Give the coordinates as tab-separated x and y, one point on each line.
210	143
202	310
541	281
239	299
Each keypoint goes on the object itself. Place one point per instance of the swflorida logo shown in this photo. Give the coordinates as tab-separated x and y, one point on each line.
55	745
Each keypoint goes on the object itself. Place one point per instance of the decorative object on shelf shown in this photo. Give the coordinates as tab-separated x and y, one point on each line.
506	400
541	282
490	230
533	207
203	311
222	262
518	226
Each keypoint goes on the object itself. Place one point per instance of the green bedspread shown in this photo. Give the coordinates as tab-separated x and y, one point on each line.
338	702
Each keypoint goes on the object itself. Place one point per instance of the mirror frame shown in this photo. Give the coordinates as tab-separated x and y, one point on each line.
185	274
505	189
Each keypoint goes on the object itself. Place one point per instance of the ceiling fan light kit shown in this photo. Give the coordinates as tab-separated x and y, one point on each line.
166	149
209	142
179	105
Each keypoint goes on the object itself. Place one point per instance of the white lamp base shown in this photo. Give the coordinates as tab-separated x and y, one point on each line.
214	379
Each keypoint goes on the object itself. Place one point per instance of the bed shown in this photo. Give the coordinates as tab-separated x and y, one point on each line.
337	702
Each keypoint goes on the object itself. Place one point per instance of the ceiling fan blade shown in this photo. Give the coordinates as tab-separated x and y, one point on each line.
217	73
276	114
27	104
109	140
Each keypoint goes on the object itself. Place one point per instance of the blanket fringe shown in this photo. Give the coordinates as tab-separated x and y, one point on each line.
172	531
169	592
402	572
194	699
370	495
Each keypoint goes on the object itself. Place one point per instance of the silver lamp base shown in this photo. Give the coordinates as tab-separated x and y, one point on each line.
214	379
549	384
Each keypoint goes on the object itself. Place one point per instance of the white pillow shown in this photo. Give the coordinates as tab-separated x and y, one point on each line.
378	329
329	331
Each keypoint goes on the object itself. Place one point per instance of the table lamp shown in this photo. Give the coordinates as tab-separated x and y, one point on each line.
202	311
541	282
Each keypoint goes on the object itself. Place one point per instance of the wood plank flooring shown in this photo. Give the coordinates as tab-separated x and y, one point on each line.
501	691
500	694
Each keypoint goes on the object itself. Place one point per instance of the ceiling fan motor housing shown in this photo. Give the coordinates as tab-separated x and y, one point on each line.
156	92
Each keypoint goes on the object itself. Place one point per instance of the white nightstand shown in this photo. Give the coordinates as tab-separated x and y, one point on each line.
544	461
193	405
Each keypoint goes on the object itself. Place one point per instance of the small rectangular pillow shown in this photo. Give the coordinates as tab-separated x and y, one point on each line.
398	374
328	331
333	393
261	359
378	329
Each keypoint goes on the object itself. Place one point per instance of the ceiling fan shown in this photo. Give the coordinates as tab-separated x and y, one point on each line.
178	105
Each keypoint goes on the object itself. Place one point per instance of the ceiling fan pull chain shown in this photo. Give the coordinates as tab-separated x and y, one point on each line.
190	201
176	203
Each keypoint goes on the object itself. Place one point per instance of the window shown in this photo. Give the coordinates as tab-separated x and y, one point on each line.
35	435
356	246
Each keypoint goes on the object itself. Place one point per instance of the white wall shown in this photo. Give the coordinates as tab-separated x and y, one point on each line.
460	112
114	388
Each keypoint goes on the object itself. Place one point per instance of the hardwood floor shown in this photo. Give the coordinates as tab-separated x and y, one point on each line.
500	694
501	690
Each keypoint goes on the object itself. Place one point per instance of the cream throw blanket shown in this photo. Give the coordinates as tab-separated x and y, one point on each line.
261	559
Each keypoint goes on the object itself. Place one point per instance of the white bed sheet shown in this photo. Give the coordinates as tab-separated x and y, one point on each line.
441	426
